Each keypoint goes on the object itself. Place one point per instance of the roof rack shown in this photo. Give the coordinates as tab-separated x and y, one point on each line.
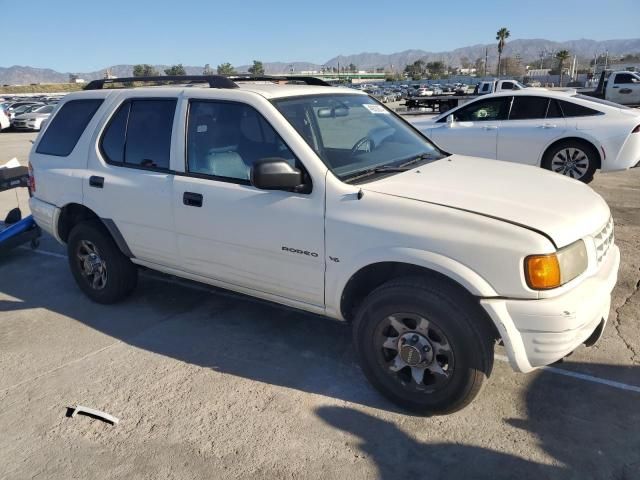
214	81
275	78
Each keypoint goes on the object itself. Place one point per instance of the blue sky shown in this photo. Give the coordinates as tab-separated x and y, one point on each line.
72	35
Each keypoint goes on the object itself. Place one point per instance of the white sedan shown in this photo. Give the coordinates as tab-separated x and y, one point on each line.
34	119
562	131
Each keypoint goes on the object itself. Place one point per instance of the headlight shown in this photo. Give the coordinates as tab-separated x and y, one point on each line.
543	272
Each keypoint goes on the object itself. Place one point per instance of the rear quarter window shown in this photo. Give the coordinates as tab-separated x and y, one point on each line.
62	135
570	109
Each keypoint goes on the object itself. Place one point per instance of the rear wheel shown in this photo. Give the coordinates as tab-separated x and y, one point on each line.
423	347
100	269
573	159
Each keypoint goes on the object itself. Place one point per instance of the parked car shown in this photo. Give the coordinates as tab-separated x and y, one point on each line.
4	118
24	108
34	119
621	87
560	131
424	92
318	198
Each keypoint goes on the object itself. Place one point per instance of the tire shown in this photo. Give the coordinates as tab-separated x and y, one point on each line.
117	275
582	164
452	325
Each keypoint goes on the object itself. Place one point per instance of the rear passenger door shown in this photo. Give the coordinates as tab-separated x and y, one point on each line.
128	182
533	123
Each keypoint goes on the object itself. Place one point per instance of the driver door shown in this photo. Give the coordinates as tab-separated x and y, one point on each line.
269	242
474	130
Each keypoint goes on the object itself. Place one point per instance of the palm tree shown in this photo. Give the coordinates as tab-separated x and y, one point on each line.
562	55
501	36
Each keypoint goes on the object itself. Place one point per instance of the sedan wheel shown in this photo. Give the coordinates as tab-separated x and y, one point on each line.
573	159
572	162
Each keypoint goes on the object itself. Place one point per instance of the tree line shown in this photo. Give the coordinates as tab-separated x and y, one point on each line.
146	70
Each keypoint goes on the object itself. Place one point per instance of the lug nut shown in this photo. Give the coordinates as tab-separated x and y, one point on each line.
426	348
414	339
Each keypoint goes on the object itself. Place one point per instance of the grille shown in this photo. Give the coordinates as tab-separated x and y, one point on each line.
603	240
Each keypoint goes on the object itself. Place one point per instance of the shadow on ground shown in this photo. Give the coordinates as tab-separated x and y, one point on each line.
591	431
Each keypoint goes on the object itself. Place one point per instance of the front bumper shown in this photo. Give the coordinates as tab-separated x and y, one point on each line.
539	332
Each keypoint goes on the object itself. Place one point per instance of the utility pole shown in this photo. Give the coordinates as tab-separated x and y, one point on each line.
486	55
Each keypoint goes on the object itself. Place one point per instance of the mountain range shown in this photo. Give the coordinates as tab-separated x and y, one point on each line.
529	50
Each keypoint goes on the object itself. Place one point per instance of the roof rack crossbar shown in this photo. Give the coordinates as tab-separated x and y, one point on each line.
274	78
214	81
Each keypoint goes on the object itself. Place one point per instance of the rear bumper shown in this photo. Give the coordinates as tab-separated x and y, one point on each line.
539	332
46	216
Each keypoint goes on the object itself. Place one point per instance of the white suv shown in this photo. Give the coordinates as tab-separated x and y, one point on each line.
322	199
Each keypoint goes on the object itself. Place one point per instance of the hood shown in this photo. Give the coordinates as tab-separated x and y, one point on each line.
561	208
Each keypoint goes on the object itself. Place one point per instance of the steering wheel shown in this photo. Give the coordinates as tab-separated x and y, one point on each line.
361	143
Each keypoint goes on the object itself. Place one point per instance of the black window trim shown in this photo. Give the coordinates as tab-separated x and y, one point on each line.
130	165
50	122
238	181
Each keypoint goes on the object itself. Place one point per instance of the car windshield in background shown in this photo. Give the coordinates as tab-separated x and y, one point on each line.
600	101
355	136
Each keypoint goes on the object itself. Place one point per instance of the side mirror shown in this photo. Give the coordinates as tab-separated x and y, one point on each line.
450	120
275	174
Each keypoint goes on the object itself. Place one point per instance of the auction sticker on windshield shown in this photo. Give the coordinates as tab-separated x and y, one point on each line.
375	108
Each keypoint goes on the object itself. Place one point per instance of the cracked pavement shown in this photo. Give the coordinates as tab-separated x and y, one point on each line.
210	384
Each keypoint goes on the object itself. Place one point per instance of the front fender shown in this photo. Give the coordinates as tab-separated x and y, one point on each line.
339	273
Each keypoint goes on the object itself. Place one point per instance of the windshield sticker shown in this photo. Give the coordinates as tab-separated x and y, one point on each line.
375	108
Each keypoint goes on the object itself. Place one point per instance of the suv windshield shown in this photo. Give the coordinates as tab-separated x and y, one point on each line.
355	136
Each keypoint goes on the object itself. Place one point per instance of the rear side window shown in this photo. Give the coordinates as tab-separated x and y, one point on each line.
139	134
528	108
570	109
61	136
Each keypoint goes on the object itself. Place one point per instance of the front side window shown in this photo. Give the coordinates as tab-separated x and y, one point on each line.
624	78
225	139
139	134
354	134
528	108
62	135
490	109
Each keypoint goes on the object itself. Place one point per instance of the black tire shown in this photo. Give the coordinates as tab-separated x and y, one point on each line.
581	168
453	316
120	274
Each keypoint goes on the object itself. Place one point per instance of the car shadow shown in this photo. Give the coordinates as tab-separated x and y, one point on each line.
202	325
586	431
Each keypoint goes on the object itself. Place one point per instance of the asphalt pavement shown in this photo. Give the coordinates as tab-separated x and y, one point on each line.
211	384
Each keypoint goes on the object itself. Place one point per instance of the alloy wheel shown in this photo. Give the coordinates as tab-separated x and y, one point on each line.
92	266
571	161
414	352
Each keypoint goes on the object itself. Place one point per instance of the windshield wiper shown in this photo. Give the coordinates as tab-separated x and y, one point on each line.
402	167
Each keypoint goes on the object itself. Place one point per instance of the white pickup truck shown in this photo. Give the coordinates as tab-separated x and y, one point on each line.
619	87
322	199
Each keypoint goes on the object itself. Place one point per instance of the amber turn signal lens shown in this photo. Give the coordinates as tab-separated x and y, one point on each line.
542	272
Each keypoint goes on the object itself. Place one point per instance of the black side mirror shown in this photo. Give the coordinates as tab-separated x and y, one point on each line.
275	174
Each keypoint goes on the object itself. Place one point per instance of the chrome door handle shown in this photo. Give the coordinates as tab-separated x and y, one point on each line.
490	127
547	125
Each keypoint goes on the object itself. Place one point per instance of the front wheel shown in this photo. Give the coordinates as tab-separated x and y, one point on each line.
423	347
573	159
